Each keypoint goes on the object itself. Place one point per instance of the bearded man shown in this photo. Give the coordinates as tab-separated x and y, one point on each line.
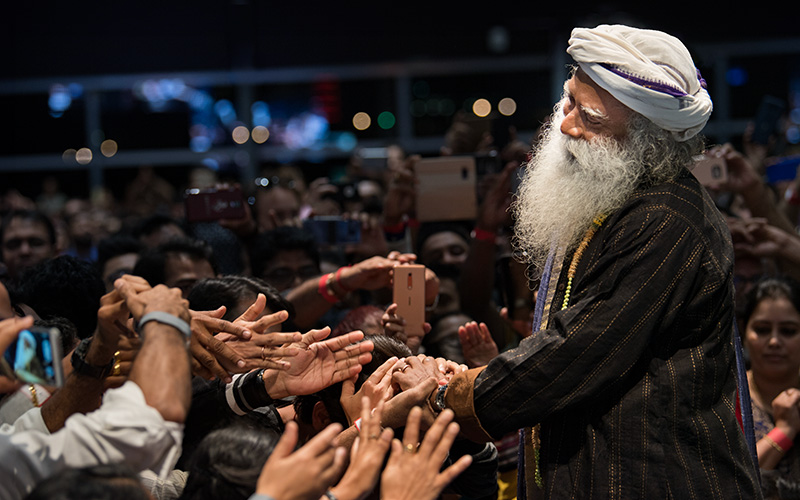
627	388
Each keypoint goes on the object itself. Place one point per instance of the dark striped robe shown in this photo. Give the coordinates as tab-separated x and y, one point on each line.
634	383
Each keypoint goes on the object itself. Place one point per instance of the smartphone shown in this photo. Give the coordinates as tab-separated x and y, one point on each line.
447	188
36	357
332	231
784	170
409	295
213	204
711	171
767	118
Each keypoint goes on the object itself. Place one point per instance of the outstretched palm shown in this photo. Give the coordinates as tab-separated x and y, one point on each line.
320	363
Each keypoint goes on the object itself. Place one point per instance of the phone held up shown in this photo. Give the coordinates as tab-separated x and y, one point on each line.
35	358
409	295
213	204
711	171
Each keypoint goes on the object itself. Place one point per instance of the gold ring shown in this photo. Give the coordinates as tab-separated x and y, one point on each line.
410	448
263	354
403	369
116	370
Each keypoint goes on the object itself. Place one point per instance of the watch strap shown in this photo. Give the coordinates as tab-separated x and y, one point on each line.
437	399
79	364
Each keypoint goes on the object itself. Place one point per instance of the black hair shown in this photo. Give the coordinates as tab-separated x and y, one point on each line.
210	293
114	246
771	288
228	462
153	223
63	286
267	245
152	262
69	334
98	482
30	215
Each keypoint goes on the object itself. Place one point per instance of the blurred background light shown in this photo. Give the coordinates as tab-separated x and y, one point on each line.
108	148
498	39
260	134
361	121
736	76
83	156
260	114
240	134
68	155
386	120
225	111
507	106
481	107
59	100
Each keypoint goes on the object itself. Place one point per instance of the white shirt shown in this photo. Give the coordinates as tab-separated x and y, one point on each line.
123	429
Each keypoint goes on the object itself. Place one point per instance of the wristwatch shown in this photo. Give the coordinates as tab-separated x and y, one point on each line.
80	365
437	399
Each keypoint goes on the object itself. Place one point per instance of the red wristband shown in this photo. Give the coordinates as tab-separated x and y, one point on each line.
483	235
323	290
781	439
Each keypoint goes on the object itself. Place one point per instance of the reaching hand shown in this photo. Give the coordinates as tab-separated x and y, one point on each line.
742	176
141	299
211	357
266	348
422	461
376	389
395	326
477	344
319	363
786	411
304	474
396	409
366	455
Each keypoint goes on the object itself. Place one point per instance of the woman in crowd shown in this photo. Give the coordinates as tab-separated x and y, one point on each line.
772	337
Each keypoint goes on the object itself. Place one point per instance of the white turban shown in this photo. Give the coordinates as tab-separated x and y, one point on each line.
648	71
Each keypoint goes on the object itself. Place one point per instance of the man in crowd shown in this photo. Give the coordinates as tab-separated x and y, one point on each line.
27	237
627	387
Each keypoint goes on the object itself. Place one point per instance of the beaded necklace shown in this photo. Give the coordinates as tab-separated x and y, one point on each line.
576	257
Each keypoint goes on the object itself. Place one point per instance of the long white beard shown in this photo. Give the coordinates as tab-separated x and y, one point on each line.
566	184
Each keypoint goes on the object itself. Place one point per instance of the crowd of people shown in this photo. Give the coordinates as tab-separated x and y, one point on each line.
580	335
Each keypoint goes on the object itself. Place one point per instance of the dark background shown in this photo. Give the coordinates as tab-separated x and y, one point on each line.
57	41
73	38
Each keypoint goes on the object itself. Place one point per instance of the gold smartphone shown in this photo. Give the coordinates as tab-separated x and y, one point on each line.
409	295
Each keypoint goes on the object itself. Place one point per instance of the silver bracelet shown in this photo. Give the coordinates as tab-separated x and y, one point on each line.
166	319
